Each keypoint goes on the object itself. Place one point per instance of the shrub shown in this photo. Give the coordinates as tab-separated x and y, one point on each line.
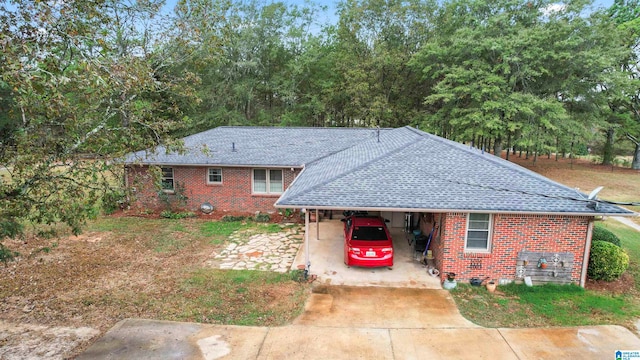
607	261
232	218
262	218
602	234
112	201
7	254
168	214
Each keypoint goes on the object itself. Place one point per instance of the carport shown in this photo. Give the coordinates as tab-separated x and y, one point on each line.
323	251
408	171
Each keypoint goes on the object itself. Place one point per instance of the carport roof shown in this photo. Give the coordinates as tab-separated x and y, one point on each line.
407	169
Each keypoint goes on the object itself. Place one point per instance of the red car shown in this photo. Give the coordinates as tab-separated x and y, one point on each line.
367	242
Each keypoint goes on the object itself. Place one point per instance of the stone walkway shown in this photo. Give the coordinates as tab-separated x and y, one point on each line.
266	252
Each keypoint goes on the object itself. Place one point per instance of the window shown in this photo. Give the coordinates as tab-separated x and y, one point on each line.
214	176
167	179
478	232
267	181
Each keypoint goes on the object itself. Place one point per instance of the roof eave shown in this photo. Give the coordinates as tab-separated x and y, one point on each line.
435	210
214	165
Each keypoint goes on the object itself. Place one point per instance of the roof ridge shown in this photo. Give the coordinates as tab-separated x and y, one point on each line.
497	160
293	127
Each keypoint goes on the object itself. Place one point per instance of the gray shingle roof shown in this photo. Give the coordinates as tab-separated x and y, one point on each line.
405	169
261	146
410	169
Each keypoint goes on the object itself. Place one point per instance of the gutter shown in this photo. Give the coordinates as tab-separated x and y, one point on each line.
280	206
585	259
219	165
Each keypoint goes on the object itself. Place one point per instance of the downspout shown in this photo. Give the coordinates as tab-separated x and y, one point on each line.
587	250
317	225
306	243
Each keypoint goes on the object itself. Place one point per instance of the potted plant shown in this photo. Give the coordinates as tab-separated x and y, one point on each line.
451	276
491	286
450	282
542	263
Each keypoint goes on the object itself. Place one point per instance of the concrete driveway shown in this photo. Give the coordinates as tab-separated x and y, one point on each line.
361	323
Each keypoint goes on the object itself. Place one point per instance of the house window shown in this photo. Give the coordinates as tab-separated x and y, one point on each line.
267	181
214	176
167	179
478	232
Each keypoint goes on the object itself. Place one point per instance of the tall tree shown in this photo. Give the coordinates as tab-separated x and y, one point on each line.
80	77
508	70
374	42
624	90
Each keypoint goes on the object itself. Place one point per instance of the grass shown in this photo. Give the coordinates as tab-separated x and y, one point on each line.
125	267
240	297
553	305
219	231
517	305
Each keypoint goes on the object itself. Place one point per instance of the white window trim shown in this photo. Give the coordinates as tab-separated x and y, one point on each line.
173	178
268	178
214	182
489	233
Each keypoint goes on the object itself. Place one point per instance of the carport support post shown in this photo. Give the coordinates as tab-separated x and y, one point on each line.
306	242
317	225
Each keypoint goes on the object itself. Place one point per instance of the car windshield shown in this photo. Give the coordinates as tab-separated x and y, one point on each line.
369	233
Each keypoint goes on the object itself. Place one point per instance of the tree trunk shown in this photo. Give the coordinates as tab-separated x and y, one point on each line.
635	164
607	155
497	147
509	146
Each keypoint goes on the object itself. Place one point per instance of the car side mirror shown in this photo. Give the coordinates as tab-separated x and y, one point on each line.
387	220
343	220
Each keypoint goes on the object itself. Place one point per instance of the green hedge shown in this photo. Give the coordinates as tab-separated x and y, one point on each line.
602	234
607	261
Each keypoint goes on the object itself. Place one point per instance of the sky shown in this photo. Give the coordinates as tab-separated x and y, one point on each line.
331	5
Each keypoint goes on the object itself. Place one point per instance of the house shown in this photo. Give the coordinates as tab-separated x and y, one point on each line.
489	216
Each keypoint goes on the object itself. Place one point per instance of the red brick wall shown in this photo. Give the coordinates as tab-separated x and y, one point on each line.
234	194
511	234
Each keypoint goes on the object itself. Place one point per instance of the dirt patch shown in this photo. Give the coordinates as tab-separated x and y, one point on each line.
134	269
620	184
19	341
624	285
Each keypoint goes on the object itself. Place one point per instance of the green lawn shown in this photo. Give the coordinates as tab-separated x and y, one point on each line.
517	305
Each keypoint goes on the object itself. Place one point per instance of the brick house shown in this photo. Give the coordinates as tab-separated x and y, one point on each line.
489	216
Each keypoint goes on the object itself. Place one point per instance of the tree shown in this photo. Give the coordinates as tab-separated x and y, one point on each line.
510	70
624	93
374	41
81	77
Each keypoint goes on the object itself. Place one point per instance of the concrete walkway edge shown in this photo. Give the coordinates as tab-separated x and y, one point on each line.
149	339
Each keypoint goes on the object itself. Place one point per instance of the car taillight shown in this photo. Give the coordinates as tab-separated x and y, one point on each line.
354	250
387	249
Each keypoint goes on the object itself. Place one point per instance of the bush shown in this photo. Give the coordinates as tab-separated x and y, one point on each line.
168	214
232	218
607	261
7	254
112	201
262	218
602	234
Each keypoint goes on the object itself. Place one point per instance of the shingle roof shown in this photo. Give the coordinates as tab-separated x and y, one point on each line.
395	169
261	146
411	169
